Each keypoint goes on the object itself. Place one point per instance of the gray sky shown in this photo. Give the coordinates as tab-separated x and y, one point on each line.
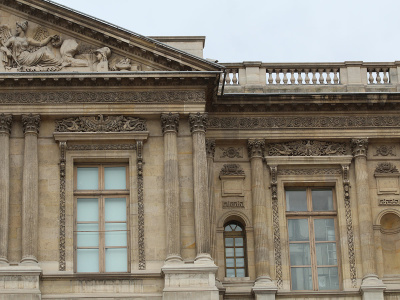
265	30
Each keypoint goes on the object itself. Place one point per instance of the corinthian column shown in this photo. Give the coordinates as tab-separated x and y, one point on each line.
210	151
170	126
30	189
5	130
200	185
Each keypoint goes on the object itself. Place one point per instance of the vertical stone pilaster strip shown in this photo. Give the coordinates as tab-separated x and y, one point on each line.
200	185
30	189
170	128
210	152
277	231
142	254
5	131
61	262
349	225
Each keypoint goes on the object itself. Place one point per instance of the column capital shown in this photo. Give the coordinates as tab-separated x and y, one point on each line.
170	122
31	123
210	148
359	146
198	122
5	123
256	148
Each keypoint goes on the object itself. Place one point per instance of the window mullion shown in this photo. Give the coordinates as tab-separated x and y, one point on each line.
313	254
101	236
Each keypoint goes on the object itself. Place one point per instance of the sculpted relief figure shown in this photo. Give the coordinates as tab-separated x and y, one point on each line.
102	56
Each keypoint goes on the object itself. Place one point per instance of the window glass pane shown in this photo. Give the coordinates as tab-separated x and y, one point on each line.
116	234
326	254
230	272
117	260
228	228
328	278
87	235
87	210
239	251
238	228
87	260
301	279
115	178
298	230
229	252
88	178
238	242
229	242
296	200
240	262
322	200
300	254
115	209
230	263
324	229
240	273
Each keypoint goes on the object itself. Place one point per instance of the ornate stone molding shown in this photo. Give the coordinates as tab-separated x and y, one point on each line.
198	122
360	147
256	148
5	123
61	262
231	170
386	168
313	171
31	123
349	225
231	152
210	148
389	202
170	123
385	150
94	147
307	148
101	123
142	254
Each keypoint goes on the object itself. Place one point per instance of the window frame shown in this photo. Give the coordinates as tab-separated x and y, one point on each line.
234	234
101	194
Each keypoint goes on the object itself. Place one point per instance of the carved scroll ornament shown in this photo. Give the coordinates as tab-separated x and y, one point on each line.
385	150
231	152
307	148
386	168
210	148
232	170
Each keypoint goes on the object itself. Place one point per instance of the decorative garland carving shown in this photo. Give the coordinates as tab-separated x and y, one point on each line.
386	168
231	152
385	150
5	123
315	171
232	204
210	148
102	97
31	123
231	170
360	147
349	225
142	254
387	121
277	232
101	123
92	147
198	122
307	148
61	263
256	148
170	123
389	202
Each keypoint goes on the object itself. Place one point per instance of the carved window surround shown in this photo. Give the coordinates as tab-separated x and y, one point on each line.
100	136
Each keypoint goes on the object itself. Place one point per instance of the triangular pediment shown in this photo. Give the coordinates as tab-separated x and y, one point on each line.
51	37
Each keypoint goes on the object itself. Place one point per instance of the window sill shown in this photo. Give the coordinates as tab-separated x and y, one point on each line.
228	280
102	276
290	294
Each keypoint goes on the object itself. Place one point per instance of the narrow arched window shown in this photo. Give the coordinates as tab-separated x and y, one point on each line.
235	250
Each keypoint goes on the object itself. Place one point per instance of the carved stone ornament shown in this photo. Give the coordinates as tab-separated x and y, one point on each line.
62	264
385	150
313	171
5	123
101	123
210	148
170	123
94	147
231	152
386	168
360	147
232	204
231	170
140	163
256	148
31	123
307	148
198	122
389	202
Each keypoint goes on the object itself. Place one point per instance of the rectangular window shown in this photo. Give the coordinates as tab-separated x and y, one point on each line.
101	219
311	215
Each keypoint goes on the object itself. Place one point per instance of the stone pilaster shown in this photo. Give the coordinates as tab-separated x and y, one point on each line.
5	131
210	151
371	287
200	185
30	189
170	127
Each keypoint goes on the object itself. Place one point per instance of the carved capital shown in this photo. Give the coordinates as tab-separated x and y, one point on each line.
360	147
170	123
5	123
256	148
198	122
31	123
210	148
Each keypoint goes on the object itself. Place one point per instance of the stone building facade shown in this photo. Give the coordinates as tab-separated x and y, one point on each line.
131	169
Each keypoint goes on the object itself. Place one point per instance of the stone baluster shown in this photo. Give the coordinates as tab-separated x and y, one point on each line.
228	77
292	79
210	149
371	77
5	131
378	76
328	76
198	124
234	76
30	189
299	77
335	76
270	78
307	78
314	76
278	76
321	76
170	127
285	78
385	75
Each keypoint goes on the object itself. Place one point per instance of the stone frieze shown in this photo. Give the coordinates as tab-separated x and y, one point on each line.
307	148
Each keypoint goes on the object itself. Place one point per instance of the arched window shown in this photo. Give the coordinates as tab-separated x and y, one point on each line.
235	249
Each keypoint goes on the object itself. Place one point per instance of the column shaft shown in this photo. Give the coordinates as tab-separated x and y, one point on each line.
210	148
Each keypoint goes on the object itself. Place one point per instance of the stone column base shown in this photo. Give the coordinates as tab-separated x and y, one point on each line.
264	288
190	281
372	288
20	282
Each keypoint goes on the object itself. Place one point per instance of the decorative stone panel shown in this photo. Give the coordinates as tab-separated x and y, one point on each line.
387	179
232	177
